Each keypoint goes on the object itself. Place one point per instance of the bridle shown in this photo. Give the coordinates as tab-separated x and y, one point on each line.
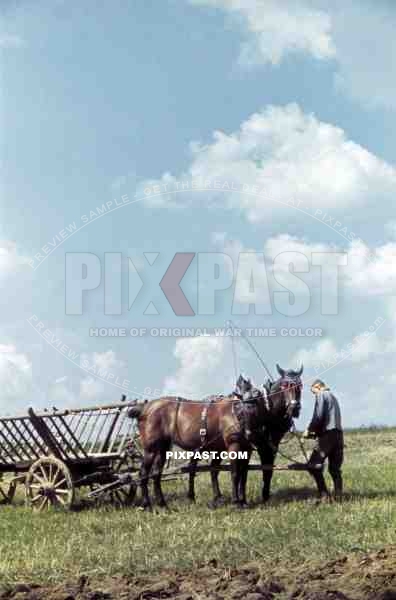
285	385
255	400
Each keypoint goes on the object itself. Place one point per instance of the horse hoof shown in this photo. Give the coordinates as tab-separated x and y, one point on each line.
216	503
161	510
191	500
242	505
322	500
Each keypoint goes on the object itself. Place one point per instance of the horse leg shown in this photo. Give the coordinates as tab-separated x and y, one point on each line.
148	460
159	463
235	474
214	476
243	481
191	480
267	457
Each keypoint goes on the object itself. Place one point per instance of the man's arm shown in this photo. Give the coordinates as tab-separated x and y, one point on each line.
316	423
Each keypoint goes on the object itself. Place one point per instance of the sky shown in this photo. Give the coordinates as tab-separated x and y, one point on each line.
289	107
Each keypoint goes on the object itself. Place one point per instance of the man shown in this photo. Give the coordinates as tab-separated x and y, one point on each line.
326	427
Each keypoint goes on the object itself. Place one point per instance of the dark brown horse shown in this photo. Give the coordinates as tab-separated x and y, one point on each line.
230	422
176	421
284	400
279	422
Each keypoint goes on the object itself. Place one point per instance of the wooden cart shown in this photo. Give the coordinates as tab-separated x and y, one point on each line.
54	453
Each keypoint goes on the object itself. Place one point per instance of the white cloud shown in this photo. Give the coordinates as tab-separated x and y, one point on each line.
15	377
357	36
362	375
91	388
288	155
327	354
367	271
100	370
10	260
205	367
282	248
275	29
320	352
60	393
373	271
257	272
106	360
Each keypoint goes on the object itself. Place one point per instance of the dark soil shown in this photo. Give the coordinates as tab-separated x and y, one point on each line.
352	577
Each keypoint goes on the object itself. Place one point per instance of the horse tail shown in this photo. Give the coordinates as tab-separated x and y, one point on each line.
135	411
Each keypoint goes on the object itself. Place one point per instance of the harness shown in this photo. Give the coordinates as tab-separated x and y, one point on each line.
245	408
203	431
248	407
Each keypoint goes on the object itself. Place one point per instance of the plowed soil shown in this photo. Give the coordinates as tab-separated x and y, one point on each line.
352	577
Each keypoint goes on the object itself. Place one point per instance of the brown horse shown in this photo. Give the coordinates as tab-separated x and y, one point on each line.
284	399
229	424
172	420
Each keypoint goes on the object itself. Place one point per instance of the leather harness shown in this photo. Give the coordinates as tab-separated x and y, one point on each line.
203	432
241	406
240	409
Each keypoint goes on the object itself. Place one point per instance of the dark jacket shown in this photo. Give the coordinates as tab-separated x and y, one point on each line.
327	414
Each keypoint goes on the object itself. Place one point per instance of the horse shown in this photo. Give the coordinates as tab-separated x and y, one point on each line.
173	420
244	390
230	422
279	423
265	439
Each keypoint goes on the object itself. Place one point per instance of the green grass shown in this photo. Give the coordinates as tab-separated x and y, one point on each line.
56	546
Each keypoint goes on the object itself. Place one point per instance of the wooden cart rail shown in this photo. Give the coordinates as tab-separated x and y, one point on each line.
69	435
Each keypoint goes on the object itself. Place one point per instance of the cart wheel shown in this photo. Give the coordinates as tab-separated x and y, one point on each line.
125	495
7	490
49	483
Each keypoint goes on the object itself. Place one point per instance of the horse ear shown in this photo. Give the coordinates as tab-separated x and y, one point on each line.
280	370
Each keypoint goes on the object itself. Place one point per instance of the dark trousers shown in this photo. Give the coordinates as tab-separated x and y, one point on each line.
330	445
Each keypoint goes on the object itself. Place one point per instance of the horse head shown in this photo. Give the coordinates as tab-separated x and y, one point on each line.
243	385
286	391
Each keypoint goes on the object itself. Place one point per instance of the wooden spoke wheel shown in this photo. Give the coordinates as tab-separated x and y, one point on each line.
49	483
125	495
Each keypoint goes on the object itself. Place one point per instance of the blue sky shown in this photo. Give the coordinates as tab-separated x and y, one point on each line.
101	98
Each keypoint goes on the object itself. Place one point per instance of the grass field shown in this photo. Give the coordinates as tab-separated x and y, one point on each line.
56	546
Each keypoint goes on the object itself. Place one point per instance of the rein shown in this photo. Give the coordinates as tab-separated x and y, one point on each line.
294	432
